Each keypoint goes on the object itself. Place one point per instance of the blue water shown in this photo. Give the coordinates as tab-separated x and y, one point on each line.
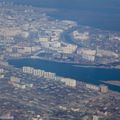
104	14
86	74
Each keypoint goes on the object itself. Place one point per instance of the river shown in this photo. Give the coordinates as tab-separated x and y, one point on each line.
86	74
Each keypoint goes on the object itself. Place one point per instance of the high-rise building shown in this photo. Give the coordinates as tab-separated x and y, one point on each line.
28	70
103	88
69	82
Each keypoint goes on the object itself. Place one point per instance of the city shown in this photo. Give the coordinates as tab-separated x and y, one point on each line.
29	93
29	32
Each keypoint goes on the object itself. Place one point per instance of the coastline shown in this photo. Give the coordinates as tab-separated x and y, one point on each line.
89	74
67	62
112	82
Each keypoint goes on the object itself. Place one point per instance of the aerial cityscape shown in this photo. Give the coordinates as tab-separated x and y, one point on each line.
56	69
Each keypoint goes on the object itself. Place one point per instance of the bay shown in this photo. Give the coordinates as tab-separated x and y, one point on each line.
103	14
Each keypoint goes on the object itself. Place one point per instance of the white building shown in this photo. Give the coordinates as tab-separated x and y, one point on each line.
39	73
69	49
69	82
92	87
87	54
28	70
81	36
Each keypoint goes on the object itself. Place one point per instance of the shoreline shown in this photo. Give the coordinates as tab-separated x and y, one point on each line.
112	82
65	62
111	87
77	64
